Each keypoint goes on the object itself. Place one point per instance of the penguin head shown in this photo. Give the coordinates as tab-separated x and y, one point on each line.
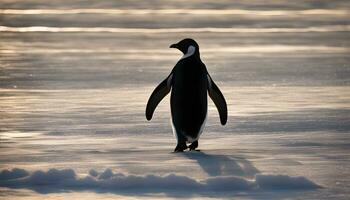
185	45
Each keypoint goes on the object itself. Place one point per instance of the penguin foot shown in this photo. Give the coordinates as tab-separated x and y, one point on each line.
180	148
193	146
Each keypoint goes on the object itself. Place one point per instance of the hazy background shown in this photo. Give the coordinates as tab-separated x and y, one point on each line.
75	78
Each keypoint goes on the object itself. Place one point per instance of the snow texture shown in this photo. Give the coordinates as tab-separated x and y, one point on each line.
61	180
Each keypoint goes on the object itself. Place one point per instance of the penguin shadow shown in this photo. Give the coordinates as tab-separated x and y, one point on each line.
222	165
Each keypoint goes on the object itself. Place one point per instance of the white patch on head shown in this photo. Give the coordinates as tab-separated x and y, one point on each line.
190	51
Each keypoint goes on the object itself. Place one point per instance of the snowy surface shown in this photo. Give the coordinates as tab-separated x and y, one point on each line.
72	103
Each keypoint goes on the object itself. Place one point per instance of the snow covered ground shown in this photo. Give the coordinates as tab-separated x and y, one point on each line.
72	102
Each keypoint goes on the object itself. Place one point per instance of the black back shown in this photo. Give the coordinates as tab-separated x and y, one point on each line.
189	95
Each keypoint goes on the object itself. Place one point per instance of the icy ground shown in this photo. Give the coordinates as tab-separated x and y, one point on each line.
72	101
295	143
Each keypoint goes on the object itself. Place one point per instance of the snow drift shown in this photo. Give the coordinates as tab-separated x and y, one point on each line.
61	180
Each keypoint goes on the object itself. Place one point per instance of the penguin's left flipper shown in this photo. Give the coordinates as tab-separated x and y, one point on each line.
157	95
218	99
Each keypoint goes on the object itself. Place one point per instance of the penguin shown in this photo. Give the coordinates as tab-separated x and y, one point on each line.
189	83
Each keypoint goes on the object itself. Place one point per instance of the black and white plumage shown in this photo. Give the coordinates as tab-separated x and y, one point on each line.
188	82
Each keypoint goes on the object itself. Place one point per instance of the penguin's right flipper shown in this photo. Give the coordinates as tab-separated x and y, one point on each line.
157	95
219	100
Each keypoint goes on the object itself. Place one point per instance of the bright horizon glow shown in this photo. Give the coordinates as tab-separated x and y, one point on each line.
176	11
335	28
236	49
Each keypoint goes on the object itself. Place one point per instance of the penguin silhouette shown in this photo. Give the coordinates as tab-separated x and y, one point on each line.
188	82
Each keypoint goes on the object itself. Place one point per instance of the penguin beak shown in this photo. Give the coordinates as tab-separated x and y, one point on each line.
173	46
